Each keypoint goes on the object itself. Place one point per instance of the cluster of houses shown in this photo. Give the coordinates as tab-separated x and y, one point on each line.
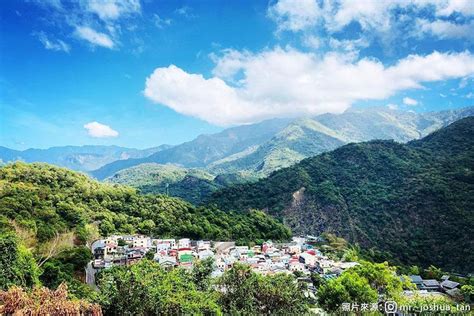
267	258
435	287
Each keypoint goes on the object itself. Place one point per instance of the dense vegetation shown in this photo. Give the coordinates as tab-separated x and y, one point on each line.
43	301
147	289
48	215
413	202
48	200
192	185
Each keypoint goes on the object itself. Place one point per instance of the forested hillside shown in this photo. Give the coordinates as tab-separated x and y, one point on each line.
47	200
192	185
414	202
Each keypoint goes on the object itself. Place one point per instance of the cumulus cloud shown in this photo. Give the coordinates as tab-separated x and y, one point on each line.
446	29
410	101
93	37
248	87
53	44
98	130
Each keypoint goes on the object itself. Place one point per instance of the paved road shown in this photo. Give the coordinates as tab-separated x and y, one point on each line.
90	274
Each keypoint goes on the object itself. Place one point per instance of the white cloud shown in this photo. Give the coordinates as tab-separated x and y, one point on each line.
392	106
294	15
53	44
97	130
385	18
94	37
160	22
446	29
312	41
250	87
113	9
410	101
448	7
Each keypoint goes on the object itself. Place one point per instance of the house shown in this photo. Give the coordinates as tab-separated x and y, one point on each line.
449	285
242	252
204	254
431	285
417	280
141	242
167	261
185	255
296	266
164	244
184	243
308	258
202	245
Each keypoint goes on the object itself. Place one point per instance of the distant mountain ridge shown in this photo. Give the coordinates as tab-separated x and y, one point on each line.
259	149
204	149
414	201
80	158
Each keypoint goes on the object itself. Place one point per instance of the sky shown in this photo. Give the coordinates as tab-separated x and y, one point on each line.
140	73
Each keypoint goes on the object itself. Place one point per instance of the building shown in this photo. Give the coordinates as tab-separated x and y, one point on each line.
449	285
431	285
417	280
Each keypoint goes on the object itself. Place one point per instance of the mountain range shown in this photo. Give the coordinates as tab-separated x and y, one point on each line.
247	151
259	149
80	158
412	202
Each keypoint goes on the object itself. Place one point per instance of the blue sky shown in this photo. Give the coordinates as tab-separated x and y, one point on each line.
143	73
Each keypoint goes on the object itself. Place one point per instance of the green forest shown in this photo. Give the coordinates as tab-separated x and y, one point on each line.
409	203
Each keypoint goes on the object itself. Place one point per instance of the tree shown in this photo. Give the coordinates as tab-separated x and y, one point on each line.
43	301
17	265
243	291
147	289
201	273
468	292
433	273
350	287
383	278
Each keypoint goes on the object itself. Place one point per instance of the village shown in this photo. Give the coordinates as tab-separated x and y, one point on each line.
296	257
300	257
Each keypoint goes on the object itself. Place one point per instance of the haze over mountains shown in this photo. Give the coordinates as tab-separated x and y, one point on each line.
258	149
81	158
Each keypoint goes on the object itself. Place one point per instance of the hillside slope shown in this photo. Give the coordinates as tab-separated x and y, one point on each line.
47	200
189	184
414	201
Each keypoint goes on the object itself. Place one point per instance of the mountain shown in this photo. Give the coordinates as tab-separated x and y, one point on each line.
192	185
189	184
45	200
259	149
414	202
205	148
311	136
80	158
